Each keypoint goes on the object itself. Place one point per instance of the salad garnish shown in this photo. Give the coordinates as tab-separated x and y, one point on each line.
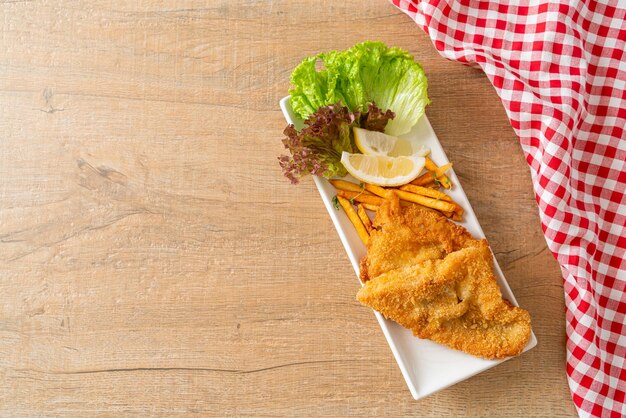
317	148
367	72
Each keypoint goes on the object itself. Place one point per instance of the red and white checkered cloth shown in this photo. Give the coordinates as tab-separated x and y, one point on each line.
559	68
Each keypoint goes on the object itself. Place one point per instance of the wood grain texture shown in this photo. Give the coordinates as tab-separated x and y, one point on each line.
154	261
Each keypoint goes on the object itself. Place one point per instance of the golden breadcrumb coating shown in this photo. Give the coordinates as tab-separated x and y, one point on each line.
441	289
409	235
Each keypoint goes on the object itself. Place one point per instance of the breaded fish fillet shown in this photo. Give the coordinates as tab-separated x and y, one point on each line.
409	235
442	290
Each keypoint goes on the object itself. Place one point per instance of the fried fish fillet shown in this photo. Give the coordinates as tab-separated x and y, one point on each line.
409	235
443	290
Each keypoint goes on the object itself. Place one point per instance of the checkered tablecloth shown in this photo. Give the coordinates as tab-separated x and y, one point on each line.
560	70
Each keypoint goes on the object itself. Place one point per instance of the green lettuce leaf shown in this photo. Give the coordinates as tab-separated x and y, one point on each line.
368	72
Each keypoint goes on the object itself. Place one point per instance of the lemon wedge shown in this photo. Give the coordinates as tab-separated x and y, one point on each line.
379	143
381	169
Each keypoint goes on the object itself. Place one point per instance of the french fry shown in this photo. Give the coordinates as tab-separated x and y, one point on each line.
424	191
424	179
377	190
441	170
354	218
348	186
371	207
429	177
360	210
438	173
442	178
458	212
445	181
457	215
374	208
360	197
430	166
440	205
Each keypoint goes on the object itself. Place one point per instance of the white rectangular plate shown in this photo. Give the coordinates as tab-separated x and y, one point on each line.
426	366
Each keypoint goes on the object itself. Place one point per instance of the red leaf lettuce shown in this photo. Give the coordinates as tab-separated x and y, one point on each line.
317	148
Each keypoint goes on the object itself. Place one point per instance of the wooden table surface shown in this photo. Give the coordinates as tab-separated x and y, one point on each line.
154	260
